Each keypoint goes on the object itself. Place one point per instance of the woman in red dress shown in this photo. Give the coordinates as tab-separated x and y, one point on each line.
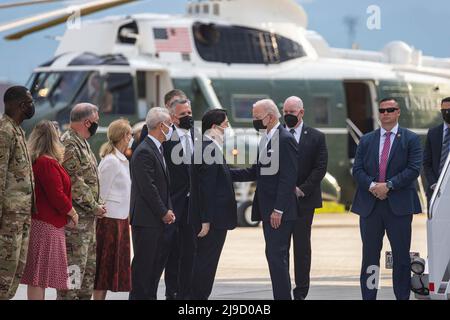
46	265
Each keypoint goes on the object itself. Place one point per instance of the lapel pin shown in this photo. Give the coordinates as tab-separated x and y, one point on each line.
306	132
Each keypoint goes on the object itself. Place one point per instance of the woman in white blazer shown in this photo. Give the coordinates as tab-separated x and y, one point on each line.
113	233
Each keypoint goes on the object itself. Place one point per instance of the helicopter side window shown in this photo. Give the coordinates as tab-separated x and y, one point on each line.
232	44
321	110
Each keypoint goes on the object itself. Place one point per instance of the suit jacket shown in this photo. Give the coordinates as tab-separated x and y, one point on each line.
404	163
115	185
179	175
212	193
432	157
276	190
312	167
150	198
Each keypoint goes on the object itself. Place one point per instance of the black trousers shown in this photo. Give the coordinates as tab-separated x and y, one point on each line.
180	264
398	229
302	252
206	261
278	243
146	245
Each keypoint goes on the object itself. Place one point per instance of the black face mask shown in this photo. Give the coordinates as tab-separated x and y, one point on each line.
186	122
290	120
258	125
446	115
29	112
93	128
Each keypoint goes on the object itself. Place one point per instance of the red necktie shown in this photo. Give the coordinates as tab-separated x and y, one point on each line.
384	157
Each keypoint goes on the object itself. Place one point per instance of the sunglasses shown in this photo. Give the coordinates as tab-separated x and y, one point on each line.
388	110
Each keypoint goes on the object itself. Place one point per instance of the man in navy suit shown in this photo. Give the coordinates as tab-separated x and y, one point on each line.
150	207
180	238
437	148
212	209
312	167
275	201
387	164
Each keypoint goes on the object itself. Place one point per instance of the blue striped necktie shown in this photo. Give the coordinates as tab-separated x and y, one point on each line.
445	149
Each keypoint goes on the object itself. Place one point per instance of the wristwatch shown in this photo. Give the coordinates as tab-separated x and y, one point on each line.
389	185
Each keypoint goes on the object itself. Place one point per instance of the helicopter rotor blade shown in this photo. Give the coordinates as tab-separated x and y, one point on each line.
57	17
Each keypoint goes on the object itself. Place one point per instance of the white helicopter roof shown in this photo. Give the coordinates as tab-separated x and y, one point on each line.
283	17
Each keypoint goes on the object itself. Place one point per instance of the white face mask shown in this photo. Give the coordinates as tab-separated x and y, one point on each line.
130	144
169	134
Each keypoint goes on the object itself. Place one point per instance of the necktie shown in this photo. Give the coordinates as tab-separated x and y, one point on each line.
162	155
292	131
384	157
187	149
445	150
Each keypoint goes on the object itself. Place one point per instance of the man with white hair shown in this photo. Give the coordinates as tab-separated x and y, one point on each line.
312	167
275	202
151	207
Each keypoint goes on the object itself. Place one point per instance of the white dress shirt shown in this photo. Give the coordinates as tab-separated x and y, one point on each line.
298	132
394	132
115	184
392	137
185	135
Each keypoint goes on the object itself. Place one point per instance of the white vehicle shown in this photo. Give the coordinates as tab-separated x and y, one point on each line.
431	278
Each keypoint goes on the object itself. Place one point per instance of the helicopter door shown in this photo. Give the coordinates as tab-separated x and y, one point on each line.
361	107
152	86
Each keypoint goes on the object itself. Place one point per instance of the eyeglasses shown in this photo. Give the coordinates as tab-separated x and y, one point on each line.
388	110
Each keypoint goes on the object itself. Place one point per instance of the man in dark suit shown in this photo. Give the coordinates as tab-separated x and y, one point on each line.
436	149
178	153
275	201
151	207
213	209
312	167
387	164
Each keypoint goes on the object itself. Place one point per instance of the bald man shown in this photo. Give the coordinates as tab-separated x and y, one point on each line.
81	165
312	167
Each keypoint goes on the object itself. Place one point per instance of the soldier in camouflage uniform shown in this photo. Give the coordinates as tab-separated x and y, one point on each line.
16	189
81	165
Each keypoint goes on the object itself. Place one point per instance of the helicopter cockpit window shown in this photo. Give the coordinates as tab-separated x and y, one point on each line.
56	88
232	44
113	93
242	106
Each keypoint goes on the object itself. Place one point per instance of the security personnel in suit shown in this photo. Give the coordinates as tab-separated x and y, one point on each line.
275	201
437	148
312	167
387	164
150	207
213	209
178	153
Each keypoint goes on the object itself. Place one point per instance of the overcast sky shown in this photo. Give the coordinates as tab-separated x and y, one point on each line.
422	24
